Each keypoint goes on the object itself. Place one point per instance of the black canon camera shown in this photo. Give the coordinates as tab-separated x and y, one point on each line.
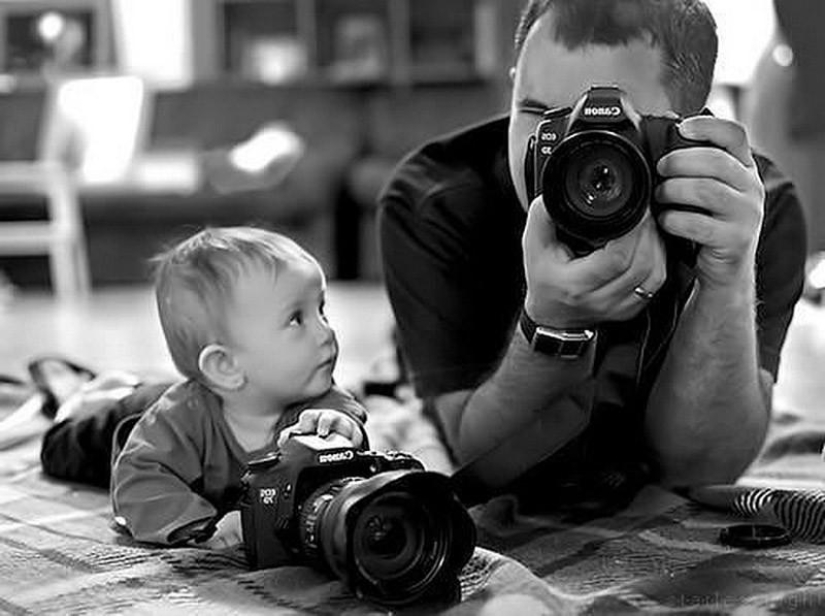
595	167
393	532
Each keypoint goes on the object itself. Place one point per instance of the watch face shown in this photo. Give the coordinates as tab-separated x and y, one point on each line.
562	344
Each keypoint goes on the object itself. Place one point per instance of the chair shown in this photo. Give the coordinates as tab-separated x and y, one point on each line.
90	130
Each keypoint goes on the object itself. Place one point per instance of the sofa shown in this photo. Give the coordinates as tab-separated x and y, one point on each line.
400	121
353	138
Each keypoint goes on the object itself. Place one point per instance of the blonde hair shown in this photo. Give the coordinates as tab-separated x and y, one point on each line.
195	279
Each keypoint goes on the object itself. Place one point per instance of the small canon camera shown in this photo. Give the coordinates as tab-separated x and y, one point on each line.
595	167
393	532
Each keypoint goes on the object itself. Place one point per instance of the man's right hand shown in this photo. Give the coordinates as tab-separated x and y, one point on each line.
565	291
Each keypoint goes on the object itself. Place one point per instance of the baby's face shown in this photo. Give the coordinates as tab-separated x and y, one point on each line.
279	333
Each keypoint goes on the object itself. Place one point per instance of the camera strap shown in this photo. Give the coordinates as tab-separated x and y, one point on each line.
529	169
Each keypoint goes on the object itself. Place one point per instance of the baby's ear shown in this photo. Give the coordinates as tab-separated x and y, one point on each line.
218	365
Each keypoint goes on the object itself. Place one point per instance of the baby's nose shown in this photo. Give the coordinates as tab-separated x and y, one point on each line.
326	335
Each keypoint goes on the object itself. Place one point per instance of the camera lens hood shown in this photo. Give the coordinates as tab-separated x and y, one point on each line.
397	538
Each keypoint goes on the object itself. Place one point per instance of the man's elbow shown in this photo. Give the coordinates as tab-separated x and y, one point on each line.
699	471
450	409
725	452
717	463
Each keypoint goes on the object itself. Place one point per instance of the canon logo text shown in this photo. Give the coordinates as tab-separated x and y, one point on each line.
610	112
338	456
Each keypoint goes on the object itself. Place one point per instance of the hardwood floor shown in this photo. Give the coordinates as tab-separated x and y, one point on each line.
118	329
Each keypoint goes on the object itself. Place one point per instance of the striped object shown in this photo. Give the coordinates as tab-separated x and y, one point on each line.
800	512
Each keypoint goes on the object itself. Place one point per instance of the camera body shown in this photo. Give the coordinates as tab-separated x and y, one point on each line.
595	166
395	533
277	485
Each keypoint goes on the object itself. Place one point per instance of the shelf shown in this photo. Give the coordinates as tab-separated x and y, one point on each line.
354	40
41	36
357	41
261	40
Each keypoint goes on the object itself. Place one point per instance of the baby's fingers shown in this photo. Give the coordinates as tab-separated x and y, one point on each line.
347	427
286	433
305	425
355	436
326	423
308	421
336	422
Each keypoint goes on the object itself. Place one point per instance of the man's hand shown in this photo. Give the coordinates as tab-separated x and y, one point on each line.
324	422
564	291
724	182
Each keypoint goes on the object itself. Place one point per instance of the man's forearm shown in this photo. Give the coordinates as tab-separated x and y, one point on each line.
520	414
708	412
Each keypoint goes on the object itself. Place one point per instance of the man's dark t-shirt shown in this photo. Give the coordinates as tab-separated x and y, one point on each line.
450	228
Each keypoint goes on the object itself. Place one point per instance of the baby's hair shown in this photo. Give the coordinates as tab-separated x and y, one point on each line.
195	279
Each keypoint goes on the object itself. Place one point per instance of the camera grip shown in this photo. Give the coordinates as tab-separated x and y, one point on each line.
663	137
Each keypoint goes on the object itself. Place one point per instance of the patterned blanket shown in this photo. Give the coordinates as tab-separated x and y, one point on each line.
58	554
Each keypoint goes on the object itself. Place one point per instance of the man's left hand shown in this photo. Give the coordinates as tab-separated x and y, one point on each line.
724	183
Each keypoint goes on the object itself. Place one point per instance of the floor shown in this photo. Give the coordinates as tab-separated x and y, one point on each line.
117	329
801	384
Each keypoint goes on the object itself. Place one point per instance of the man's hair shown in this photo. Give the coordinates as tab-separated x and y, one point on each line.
684	31
196	278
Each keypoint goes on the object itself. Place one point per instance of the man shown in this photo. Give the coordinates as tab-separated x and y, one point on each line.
675	386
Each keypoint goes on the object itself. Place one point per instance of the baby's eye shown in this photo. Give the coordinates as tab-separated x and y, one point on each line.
296	318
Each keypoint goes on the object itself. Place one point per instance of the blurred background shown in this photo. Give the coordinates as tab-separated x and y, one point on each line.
132	122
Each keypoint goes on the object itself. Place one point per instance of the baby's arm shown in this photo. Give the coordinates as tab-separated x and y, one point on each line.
151	479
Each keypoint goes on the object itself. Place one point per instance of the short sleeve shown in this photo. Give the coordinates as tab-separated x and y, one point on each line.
453	271
154	479
780	262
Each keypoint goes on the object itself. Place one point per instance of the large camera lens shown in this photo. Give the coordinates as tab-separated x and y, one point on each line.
598	181
596	186
397	541
397	537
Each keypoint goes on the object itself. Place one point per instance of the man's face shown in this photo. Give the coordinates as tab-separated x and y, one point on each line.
548	75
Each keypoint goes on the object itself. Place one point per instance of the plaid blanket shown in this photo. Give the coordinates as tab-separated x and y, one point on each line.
58	554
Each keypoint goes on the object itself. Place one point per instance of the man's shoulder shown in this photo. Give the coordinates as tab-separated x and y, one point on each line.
465	162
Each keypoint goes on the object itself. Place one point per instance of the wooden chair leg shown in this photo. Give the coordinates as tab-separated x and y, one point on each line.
81	266
69	269
69	262
61	264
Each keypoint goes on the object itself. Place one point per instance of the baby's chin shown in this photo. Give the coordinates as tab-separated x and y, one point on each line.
320	383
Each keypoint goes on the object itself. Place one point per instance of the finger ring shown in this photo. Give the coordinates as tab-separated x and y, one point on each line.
643	293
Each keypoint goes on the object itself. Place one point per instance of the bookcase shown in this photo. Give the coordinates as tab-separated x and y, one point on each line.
355	41
62	35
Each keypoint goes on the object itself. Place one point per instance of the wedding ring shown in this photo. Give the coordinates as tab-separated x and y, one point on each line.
643	293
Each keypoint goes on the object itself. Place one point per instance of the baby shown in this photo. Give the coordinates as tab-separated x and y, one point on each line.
242	311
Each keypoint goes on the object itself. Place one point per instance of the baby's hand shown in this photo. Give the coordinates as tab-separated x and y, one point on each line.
228	532
324	422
